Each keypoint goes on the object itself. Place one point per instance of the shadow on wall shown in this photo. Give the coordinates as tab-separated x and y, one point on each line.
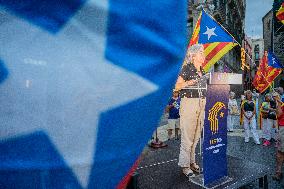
281	82
238	89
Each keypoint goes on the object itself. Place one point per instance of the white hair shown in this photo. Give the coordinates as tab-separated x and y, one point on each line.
195	49
192	50
232	94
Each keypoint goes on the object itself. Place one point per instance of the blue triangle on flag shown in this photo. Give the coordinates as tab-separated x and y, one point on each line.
273	61
211	31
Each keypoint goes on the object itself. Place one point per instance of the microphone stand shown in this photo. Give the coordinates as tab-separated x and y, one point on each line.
199	90
156	143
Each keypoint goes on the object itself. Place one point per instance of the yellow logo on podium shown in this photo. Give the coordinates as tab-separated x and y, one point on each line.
213	116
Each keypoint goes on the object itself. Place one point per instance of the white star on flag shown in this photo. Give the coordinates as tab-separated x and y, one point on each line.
273	60
210	32
66	93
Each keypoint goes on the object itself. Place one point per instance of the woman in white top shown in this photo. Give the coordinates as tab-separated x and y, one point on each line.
232	111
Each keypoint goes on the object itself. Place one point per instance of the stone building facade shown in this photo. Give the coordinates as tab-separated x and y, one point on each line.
248	74
267	24
257	50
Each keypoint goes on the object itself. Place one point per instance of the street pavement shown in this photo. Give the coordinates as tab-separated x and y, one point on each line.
158	167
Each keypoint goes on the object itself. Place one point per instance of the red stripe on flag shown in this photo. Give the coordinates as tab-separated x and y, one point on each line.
206	45
193	42
198	22
123	183
280	16
205	61
218	48
195	35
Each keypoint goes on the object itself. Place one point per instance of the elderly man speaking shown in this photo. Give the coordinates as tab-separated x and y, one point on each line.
192	84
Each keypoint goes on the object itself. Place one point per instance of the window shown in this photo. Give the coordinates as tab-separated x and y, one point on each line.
256	56
256	48
217	3
268	24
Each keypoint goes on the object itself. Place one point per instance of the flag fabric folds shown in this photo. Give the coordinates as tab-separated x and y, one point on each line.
216	41
280	13
273	61
267	71
83	86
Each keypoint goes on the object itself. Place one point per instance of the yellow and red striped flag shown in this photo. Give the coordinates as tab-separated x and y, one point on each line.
216	41
265	74
280	13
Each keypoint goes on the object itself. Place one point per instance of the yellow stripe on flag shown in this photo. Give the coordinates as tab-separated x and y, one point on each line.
210	48
196	33
196	30
280	11
219	55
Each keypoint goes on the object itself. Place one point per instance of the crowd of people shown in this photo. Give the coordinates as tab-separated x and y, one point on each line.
253	116
267	116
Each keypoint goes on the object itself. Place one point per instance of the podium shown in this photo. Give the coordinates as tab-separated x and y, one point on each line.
214	137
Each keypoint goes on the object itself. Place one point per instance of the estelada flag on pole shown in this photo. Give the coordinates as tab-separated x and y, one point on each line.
216	41
280	13
265	73
273	61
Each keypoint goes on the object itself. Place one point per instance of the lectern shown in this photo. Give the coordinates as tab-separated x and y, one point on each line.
214	139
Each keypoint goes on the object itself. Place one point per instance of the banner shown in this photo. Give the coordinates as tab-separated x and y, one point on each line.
215	133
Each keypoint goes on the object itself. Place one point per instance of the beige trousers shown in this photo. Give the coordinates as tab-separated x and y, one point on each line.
192	114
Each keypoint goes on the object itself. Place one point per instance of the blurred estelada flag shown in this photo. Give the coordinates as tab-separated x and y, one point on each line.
85	86
216	41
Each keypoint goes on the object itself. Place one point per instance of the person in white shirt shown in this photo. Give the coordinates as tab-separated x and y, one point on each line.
232	111
248	109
